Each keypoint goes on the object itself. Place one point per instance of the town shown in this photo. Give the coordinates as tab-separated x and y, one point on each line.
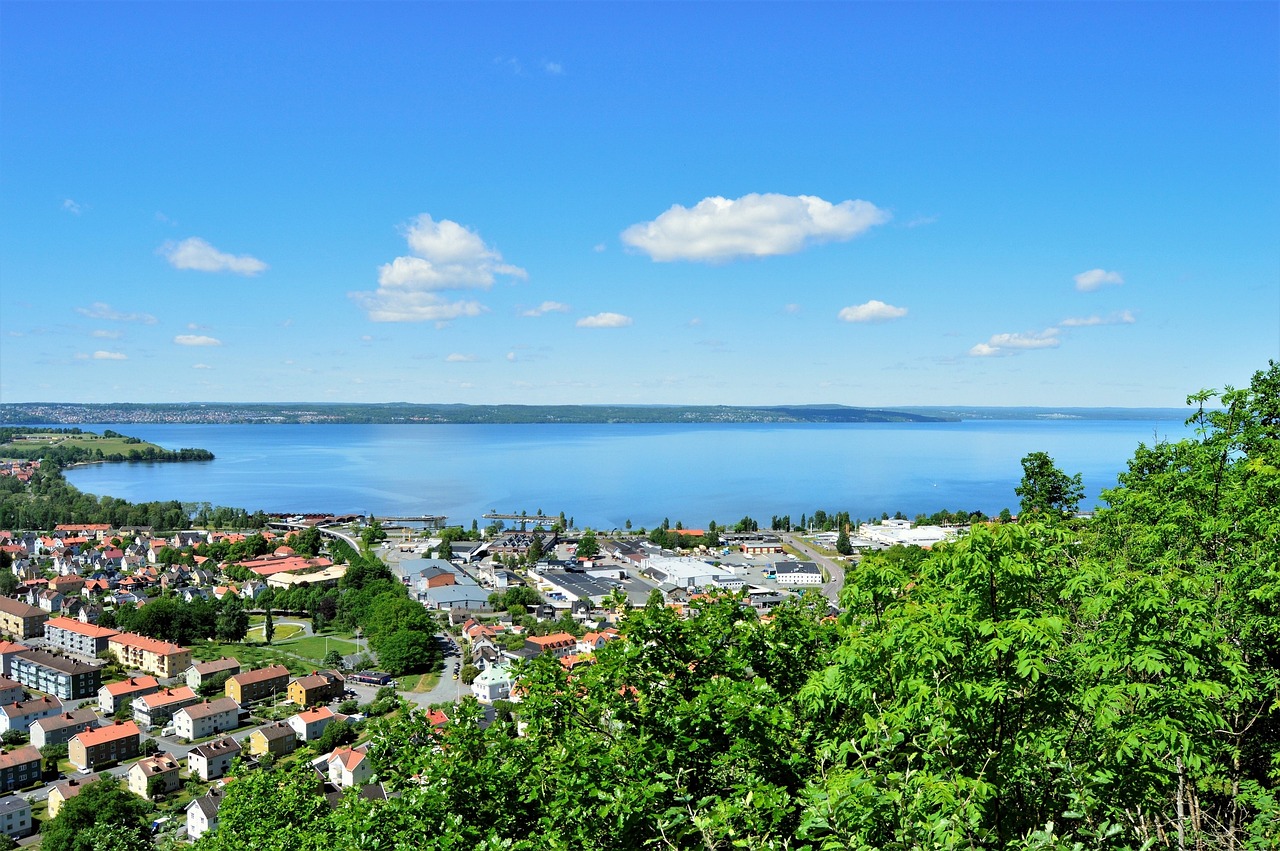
285	669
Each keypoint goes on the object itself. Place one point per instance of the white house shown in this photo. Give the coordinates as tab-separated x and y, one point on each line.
349	767
206	719
493	683
212	760
309	725
202	813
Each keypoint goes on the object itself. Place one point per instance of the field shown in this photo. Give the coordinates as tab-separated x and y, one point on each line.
283	632
108	445
314	646
417	682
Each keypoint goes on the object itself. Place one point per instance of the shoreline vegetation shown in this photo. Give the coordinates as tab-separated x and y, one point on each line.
59	413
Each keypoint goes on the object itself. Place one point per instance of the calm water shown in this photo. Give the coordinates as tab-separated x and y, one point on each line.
603	475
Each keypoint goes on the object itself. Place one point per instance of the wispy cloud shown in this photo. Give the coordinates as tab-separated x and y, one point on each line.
718	229
604	320
1087	282
872	311
195	254
791	308
545	308
921	221
1012	344
100	355
196	340
102	310
72	207
104	334
555	69
1123	317
445	256
461	358
201	366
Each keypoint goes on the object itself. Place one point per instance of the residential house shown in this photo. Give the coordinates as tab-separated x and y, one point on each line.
797	573
558	644
318	687
49	601
102	745
202	813
21	620
205	719
143	773
309	724
75	637
349	767
149	655
251	686
59	728
200	672
156	709
213	759
493	683
57	675
19	716
114	695
19	767
69	584
9	649
68	789
11	691
15	816
277	739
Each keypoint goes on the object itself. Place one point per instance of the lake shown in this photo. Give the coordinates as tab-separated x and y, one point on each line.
603	475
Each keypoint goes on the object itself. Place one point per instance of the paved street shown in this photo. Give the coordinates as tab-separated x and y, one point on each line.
835	570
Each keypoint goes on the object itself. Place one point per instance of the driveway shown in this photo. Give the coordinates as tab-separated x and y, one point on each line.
835	570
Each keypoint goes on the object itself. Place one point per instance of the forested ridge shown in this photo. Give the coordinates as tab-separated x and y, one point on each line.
1052	684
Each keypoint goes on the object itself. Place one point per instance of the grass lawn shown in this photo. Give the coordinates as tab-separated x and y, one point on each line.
283	632
250	655
313	646
108	445
417	682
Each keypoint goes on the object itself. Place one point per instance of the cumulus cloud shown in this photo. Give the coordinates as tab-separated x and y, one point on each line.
1011	344
1123	317
445	256
196	340
106	335
72	207
604	320
196	254
546	307
872	311
1087	282
460	358
755	225
110	356
101	310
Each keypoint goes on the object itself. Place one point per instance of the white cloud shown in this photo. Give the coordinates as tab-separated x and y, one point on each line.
196	254
555	69
546	307
445	256
872	311
110	356
755	225
393	306
598	248
1010	344
100	310
72	207
921	221
511	356
1123	317
1087	282
196	340
604	320
791	308
460	358
201	366
106	335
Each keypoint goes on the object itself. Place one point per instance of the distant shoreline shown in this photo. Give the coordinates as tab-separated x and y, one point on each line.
414	414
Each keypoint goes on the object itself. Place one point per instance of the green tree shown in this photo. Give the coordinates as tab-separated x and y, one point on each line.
233	620
407	650
269	626
373	533
1047	490
8	582
843	547
468	674
588	546
101	808
333	659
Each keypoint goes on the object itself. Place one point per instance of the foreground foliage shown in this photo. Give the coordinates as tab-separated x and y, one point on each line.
1046	684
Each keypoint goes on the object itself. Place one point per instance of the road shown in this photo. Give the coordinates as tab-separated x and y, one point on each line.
835	570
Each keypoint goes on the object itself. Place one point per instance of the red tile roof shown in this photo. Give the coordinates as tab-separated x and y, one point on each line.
102	735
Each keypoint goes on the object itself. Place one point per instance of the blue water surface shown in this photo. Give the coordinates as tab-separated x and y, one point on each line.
603	475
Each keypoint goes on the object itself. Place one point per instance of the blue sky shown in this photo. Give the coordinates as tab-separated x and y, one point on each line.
865	204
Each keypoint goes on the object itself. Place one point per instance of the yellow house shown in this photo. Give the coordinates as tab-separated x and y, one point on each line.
20	620
138	652
67	790
276	739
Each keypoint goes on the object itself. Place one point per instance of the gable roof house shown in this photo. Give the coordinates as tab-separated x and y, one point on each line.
213	759
141	773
